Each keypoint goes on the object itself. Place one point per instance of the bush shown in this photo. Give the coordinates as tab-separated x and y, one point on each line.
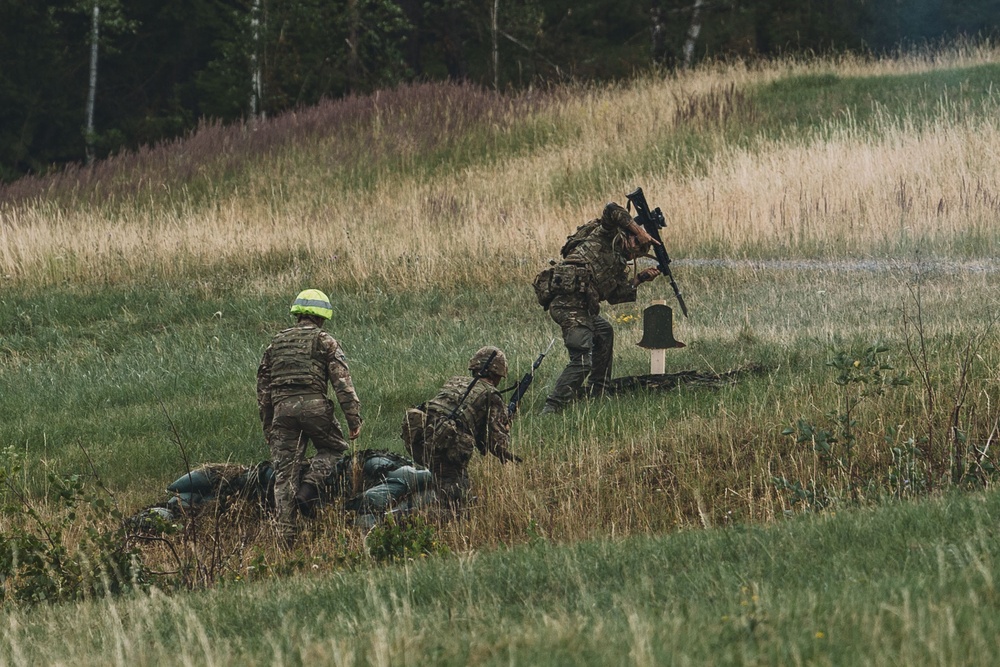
403	538
64	554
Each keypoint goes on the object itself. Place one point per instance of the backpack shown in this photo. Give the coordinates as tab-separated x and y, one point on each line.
579	236
449	443
543	286
559	279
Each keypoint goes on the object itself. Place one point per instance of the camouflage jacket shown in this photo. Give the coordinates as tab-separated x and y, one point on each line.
483	414
602	254
331	368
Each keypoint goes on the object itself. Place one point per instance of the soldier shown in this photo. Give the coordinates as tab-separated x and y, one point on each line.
467	413
593	269
291	392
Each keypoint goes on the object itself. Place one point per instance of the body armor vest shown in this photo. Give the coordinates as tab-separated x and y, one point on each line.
606	265
297	367
469	414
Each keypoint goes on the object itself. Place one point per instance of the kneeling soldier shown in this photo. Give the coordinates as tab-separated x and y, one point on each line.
467	413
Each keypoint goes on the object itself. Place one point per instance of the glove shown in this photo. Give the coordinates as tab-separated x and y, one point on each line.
648	274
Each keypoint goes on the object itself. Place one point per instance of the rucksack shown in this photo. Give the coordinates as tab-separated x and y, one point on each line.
579	236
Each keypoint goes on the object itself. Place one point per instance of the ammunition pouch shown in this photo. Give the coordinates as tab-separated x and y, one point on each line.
561	280
449	443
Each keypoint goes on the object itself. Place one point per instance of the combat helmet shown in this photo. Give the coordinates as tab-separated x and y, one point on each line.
312	302
498	366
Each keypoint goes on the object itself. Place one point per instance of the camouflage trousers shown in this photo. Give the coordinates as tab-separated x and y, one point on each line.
299	420
590	341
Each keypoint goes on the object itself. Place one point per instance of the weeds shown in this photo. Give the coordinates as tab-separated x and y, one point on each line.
861	375
403	538
915	465
81	549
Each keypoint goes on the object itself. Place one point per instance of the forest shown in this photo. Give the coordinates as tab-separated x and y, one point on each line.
84	79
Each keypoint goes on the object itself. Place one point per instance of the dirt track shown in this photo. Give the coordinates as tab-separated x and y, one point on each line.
866	265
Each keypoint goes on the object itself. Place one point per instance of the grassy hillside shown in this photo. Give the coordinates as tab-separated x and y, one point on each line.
832	222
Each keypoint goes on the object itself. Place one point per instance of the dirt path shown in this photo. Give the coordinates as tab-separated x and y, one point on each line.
866	265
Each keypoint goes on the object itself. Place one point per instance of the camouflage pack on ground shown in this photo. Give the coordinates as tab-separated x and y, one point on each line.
369	482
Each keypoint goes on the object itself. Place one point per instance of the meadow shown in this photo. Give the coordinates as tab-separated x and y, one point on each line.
832	223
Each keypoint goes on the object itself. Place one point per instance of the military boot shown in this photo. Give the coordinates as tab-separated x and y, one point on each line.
551	408
307	498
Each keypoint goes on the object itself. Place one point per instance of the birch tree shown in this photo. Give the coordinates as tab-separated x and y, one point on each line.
117	22
88	132
693	31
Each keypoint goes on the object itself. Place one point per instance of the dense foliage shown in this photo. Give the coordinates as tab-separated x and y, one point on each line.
161	68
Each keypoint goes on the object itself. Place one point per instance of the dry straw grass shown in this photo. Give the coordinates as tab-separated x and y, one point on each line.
849	191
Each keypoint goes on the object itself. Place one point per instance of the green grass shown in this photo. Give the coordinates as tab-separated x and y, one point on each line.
910	583
812	103
123	374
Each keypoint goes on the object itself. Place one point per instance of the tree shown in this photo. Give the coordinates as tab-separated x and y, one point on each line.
42	92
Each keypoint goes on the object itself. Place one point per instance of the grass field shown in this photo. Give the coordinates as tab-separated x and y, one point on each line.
828	220
908	584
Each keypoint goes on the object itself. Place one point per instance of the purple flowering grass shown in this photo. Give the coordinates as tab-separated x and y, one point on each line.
380	128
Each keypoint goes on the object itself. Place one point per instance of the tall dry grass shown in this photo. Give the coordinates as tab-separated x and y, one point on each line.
849	190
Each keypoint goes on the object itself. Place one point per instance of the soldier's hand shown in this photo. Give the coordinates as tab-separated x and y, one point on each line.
355	432
646	275
642	237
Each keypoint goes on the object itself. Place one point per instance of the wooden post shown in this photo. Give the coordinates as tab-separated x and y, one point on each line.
658	358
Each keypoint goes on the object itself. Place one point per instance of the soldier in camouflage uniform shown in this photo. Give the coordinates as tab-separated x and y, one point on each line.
467	413
593	269
291	392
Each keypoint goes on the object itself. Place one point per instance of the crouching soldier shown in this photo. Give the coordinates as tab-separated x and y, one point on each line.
467	413
291	391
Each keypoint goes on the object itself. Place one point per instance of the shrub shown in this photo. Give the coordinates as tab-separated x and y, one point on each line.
65	554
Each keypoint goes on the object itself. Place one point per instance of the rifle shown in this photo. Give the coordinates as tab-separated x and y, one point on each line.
652	222
480	374
522	387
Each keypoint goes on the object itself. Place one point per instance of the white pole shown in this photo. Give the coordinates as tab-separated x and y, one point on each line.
255	78
693	32
658	358
657	361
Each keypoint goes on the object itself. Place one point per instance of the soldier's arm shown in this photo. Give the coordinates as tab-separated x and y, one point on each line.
343	385
625	288
264	404
616	218
624	291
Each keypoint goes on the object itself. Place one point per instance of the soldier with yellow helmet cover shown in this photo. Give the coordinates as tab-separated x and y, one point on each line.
292	384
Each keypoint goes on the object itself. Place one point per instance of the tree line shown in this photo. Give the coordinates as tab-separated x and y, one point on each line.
81	79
